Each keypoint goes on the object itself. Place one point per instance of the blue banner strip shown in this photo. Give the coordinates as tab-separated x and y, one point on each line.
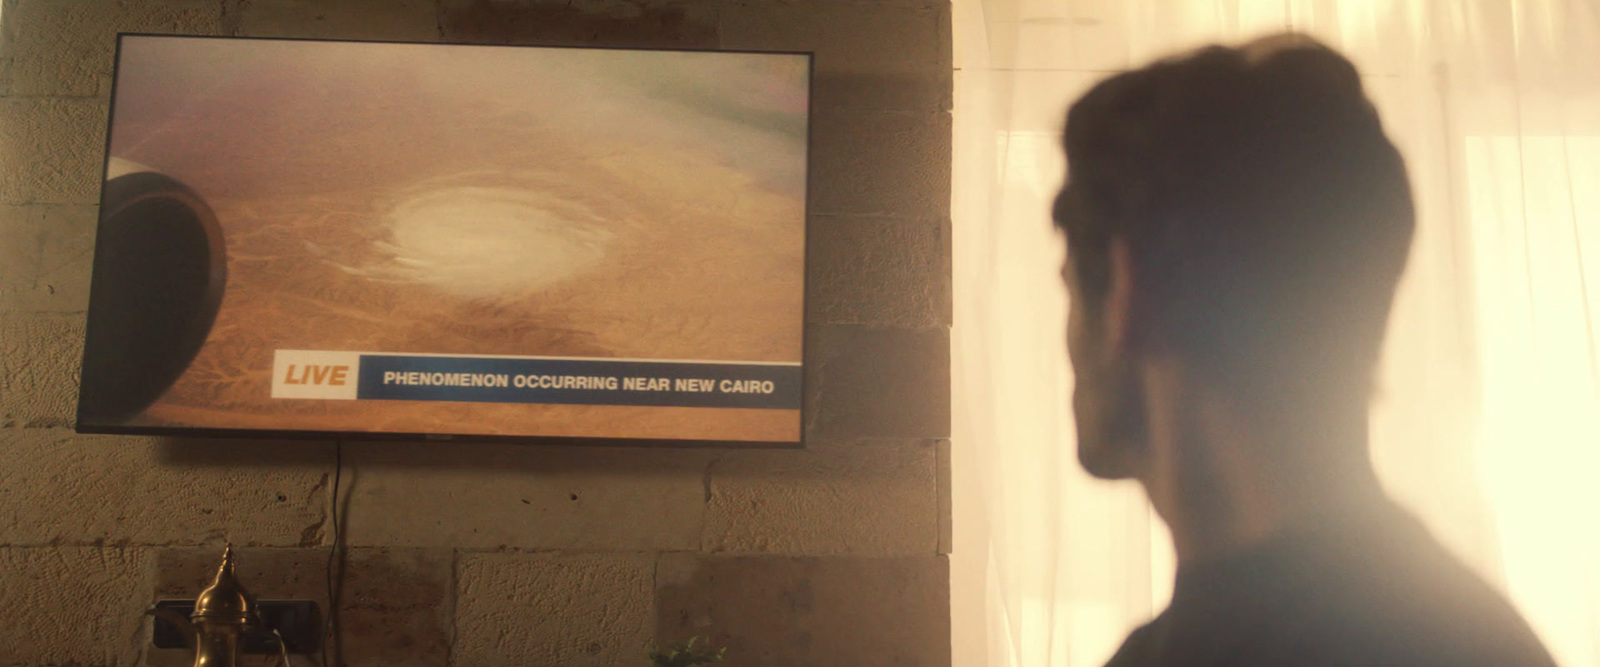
579	382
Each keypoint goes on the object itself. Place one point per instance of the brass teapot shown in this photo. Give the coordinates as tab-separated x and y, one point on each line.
223	614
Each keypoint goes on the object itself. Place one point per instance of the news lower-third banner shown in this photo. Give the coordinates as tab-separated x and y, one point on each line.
581	381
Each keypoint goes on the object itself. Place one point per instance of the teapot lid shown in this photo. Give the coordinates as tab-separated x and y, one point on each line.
225	600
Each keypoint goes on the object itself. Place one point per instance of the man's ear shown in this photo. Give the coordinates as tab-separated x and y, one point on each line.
1121	299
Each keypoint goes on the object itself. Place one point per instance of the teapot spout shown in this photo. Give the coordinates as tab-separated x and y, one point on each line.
179	621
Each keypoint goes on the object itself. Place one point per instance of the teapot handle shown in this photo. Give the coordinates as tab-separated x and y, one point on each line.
283	649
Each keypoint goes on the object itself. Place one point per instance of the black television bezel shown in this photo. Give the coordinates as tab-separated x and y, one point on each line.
552	440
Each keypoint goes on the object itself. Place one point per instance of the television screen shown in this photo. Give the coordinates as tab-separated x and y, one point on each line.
384	239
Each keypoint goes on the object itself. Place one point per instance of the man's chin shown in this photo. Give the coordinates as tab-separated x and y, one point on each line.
1105	460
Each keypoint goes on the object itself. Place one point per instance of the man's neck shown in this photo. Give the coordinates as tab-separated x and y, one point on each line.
1227	477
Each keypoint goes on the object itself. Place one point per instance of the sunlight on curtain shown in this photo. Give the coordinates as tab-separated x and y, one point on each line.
1485	422
1539	233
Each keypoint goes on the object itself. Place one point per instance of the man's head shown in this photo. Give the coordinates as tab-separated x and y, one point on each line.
1236	209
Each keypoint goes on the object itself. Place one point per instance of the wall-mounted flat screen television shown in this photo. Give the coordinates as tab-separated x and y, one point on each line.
328	239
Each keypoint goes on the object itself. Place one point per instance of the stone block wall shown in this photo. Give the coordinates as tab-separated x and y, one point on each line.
505	554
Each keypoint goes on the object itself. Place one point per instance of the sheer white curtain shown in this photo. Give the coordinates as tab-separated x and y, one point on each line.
1488	418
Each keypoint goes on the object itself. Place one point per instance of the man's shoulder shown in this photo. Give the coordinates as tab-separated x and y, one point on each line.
1441	614
1391	596
1398	597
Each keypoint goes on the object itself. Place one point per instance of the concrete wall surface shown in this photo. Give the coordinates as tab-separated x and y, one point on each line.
505	554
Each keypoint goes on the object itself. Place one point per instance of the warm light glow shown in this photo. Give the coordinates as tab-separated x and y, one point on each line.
1485	423
1536	242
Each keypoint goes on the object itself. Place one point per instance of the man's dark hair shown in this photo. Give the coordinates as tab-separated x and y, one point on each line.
1267	214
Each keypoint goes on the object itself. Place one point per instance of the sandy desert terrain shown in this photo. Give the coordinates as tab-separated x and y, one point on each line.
480	200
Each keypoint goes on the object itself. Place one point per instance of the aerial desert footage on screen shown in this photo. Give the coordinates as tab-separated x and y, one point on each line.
451	239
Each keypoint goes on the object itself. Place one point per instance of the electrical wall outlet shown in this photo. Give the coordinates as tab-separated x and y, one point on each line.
299	621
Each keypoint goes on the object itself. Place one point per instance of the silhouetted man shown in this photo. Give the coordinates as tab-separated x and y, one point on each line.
1236	223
